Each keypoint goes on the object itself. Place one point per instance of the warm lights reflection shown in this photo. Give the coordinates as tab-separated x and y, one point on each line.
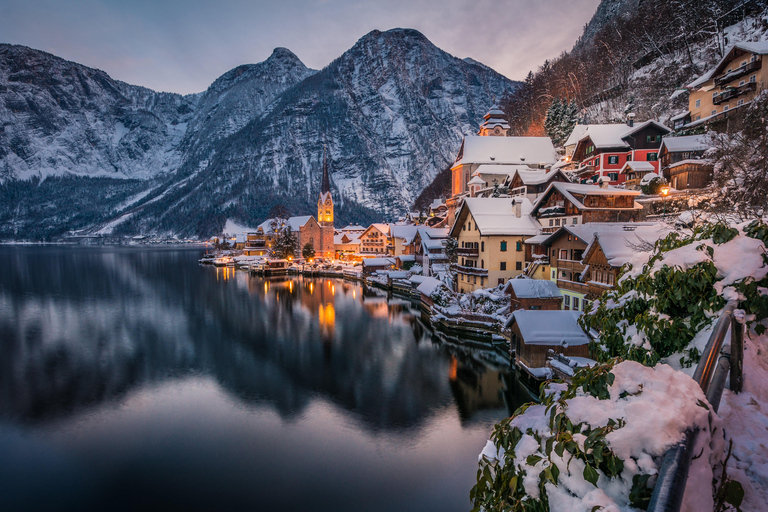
453	369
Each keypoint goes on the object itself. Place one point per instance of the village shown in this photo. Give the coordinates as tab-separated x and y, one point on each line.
529	238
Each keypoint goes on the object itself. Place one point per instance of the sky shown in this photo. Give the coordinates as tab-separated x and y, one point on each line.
184	45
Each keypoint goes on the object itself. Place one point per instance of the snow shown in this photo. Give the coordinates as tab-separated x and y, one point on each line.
648	177
613	135
549	327
429	285
407	233
533	288
508	150
760	48
496	216
568	189
638	166
686	143
620	246
297	222
690	162
232	228
378	262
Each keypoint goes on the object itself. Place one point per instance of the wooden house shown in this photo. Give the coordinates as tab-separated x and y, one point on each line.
682	162
565	204
533	294
534	333
532	183
634	172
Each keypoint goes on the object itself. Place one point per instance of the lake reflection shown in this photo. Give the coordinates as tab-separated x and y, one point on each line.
135	378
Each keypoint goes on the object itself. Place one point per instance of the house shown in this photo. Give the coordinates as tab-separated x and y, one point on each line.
375	239
490	233
534	333
488	176
429	248
405	261
533	294
346	245
400	237
729	85
603	149
573	203
371	265
682	161
634	173
491	146
532	183
610	249
259	242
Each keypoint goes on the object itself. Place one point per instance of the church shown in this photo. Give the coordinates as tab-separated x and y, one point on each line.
322	238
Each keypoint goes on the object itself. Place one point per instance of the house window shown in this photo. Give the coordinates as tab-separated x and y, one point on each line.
503	246
482	281
714	112
575	220
482	263
569	238
482	246
585	305
551	222
739	103
654	138
652	157
741	82
503	265
501	280
575	303
518	265
613	176
698	103
714	94
554	274
518	246
567	302
629	158
753	79
597	162
725	107
474	279
613	159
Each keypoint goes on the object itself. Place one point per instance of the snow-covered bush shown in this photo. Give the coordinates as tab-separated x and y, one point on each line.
592	445
662	308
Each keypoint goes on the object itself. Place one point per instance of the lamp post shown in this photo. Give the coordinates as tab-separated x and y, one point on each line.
664	192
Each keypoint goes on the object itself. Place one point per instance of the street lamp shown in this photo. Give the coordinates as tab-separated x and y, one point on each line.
664	193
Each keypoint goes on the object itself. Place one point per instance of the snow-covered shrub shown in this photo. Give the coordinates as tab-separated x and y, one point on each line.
662	308
592	445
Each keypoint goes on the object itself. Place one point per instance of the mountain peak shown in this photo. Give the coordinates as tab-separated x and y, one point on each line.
394	34
281	53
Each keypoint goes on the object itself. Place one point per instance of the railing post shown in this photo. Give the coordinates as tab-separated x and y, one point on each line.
737	355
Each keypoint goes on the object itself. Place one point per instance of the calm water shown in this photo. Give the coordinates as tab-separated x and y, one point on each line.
135	379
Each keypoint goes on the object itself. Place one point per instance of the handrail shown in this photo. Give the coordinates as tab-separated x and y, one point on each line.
710	374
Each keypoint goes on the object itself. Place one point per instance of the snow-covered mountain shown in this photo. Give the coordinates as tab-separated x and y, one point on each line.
392	111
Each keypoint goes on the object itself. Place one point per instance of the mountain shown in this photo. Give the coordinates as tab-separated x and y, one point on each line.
391	111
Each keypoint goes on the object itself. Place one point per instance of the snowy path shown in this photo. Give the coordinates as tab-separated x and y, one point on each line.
746	420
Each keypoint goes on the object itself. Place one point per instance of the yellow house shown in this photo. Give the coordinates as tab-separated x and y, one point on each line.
490	234
732	83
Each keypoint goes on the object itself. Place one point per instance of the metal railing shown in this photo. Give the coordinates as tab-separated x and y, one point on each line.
711	372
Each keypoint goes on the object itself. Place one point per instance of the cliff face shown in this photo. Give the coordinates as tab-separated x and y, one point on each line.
392	111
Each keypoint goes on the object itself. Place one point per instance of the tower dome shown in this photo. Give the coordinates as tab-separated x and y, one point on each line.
495	125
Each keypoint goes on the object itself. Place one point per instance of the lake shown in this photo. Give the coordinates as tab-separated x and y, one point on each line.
136	379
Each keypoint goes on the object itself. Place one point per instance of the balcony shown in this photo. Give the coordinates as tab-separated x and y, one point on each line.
731	93
738	72
573	265
467	251
573	286
470	271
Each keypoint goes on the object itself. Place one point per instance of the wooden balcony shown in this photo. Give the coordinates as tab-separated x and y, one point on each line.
738	72
468	251
572	265
573	286
597	289
470	271
729	93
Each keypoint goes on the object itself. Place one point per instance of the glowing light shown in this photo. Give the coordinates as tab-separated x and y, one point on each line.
453	369
354	294
333	290
290	286
266	287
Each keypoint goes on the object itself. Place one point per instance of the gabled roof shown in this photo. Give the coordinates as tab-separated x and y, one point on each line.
533	288
508	169
613	135
407	233
576	134
496	216
346	238
619	246
687	143
586	232
297	222
506	150
538	176
384	228
353	227
477	180
759	48
378	262
637	166
568	189
549	327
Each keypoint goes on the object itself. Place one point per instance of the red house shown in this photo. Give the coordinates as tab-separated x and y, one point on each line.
603	149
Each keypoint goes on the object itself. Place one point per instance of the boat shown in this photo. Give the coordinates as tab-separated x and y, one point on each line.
207	259
276	267
224	261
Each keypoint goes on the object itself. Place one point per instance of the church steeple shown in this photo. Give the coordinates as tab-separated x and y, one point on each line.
495	124
325	201
326	185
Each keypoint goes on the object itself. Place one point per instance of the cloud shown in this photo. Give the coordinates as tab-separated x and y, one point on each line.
183	45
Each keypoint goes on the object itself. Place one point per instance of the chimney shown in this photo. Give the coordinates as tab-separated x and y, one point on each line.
518	203
631	119
602	182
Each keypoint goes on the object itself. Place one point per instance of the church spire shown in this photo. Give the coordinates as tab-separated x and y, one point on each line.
326	185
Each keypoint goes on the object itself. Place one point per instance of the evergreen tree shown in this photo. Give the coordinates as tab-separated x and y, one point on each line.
568	121
308	251
285	243
553	121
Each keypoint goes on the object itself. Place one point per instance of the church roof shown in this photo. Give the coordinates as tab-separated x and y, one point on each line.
507	150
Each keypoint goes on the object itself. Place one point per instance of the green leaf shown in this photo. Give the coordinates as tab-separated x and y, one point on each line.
702	404
559	449
734	493
590	475
532	460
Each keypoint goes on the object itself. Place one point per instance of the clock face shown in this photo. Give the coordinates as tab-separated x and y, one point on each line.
497	130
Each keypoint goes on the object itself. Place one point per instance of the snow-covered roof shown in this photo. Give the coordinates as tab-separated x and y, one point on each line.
507	150
759	48
619	246
351	238
612	135
576	134
535	240
680	116
533	288
568	189
549	327
586	232
297	222
407	257
500	169
536	176
378	262
429	285
638	166
432	244
496	216
648	177
353	227
433	233
477	180
690	162
436	204
687	143
407	233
